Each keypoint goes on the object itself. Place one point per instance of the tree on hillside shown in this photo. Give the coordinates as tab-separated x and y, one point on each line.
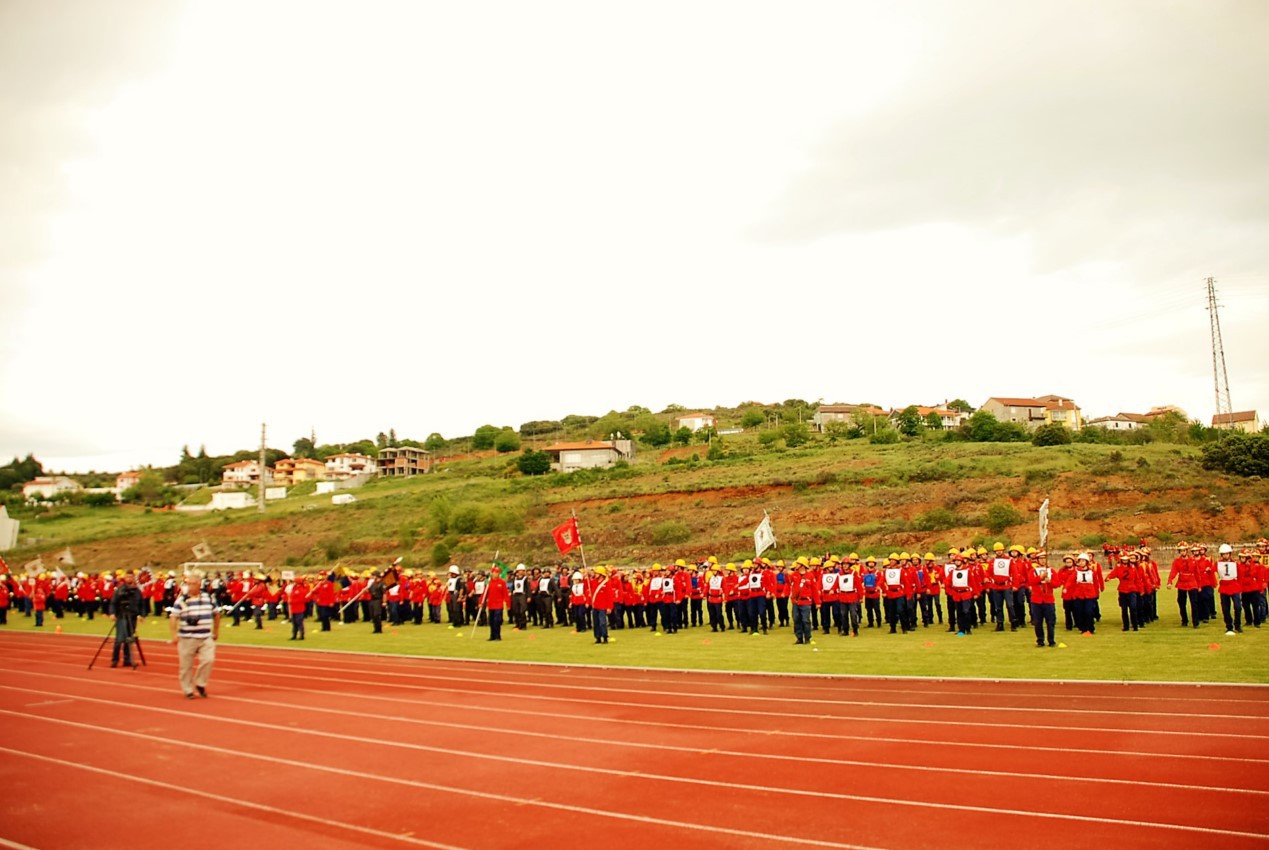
538	427
933	421
507	441
434	442
303	447
960	405
483	439
795	434
908	421
534	462
1053	434
752	418
683	436
981	427
658	434
1239	454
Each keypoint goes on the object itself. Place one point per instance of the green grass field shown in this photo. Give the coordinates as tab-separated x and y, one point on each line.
1162	652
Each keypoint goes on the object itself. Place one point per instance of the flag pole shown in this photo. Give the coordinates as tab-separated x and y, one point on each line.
476	622
580	545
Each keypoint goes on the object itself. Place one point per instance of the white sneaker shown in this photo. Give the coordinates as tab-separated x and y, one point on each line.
1229	634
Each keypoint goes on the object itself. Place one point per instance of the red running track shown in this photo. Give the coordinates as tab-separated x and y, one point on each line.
338	750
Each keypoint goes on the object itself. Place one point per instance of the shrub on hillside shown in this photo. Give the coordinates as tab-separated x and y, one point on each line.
1000	516
938	519
1238	454
884	437
670	532
507	441
1053	434
533	462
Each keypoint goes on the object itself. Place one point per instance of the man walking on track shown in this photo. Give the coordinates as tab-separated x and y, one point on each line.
195	625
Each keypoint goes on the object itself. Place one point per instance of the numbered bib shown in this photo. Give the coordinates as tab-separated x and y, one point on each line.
1228	570
1000	567
579	589
755	581
894	576
960	579
655	584
846	582
1083	576
827	581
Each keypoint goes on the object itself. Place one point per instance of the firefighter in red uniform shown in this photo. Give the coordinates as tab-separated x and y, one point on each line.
829	613
1231	589
895	591
804	594
849	594
1184	576
1253	580
297	596
1041	582
964	584
1128	574
1205	569
601	601
1083	586
497	600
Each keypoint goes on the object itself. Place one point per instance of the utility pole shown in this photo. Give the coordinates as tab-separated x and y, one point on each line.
1219	375
260	506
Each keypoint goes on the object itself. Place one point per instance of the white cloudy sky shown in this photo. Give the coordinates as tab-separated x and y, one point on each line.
432	215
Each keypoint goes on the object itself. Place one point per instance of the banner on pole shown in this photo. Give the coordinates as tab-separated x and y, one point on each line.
65	557
201	551
763	536
567	537
34	568
1044	523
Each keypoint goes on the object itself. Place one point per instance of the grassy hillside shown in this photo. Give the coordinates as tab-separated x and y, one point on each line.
846	497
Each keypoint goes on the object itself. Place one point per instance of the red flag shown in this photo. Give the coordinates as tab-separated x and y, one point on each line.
567	536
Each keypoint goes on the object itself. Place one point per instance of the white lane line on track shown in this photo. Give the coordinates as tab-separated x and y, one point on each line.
168	788
683	694
713	729
4	842
842	762
428	786
637	775
585	671
767	714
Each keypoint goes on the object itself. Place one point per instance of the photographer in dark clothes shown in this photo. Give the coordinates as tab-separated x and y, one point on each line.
125	610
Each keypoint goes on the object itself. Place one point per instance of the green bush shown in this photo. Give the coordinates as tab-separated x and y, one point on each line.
1000	516
533	462
1051	435
1238	454
1090	541
885	437
938	519
440	555
669	532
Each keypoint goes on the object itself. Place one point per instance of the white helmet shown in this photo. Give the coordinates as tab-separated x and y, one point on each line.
520	567
577	576
1226	549
453	569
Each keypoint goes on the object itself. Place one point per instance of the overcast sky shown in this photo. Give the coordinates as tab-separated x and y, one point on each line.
351	217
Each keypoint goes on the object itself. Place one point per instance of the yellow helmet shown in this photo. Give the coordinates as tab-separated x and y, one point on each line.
893	556
730	566
1030	550
929	556
680	563
981	551
713	559
601	571
997	547
854	556
903	556
953	551
802	560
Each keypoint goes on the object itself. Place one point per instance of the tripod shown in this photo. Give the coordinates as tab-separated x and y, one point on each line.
130	623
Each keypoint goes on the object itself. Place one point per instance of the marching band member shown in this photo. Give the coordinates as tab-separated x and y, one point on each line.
1231	589
1041	582
1184	575
804	594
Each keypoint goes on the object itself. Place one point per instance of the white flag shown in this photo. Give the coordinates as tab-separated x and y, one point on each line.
1044	523
34	568
201	551
65	557
763	536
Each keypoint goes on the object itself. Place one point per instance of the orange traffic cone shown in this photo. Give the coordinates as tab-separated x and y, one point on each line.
58	630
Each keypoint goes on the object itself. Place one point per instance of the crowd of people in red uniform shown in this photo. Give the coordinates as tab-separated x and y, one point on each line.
1008	586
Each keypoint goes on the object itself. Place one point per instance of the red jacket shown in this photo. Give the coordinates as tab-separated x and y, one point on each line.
804	590
297	594
849	587
828	587
999	574
714	589
964	581
1082	583
897	582
497	597
602	596
1042	583
1183	574
1128	576
1230	574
